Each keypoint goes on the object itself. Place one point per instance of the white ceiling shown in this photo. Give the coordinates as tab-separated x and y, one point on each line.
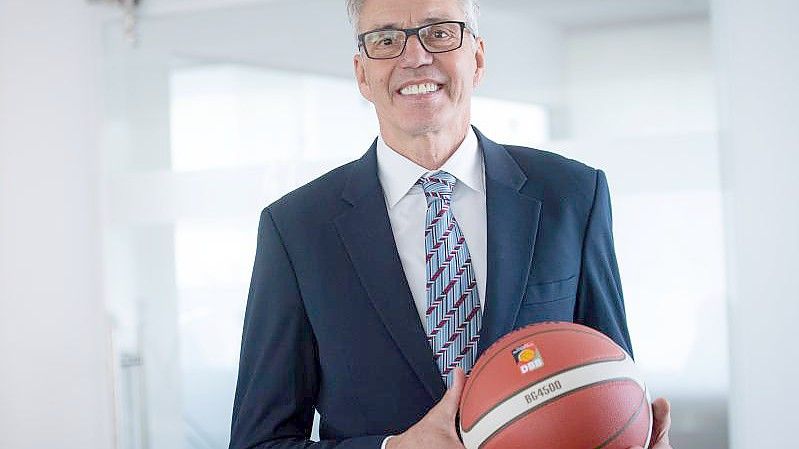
563	12
566	13
580	13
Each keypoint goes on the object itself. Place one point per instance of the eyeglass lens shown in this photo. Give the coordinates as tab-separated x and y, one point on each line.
435	38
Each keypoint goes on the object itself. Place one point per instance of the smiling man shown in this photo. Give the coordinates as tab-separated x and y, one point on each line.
421	87
377	286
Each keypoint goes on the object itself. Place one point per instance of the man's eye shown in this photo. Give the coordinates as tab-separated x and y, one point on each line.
382	40
441	32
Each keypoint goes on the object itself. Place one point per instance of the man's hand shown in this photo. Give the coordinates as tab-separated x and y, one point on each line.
437	429
661	416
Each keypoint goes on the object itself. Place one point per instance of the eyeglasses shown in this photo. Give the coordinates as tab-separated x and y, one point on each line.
439	37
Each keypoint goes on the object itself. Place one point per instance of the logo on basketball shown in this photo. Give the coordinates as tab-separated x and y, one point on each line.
527	357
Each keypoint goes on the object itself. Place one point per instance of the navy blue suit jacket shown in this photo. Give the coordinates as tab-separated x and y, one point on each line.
331	323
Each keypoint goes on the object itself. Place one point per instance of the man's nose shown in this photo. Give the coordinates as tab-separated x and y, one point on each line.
415	55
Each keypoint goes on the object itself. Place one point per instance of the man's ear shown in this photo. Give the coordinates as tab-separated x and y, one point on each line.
360	76
479	59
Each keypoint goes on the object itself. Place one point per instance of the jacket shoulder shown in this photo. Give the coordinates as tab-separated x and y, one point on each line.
552	175
318	200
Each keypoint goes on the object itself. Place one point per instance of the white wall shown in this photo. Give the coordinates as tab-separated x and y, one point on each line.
641	79
55	380
519	71
640	104
758	72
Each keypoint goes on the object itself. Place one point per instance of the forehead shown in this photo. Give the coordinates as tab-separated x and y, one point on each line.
407	13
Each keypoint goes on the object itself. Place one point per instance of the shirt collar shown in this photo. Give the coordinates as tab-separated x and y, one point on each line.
399	174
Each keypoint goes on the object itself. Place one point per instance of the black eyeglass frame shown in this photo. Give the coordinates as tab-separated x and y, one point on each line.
414	32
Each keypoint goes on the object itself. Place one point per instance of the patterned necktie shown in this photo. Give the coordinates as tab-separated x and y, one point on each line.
453	307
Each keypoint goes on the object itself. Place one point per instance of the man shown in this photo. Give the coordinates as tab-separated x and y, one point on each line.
377	285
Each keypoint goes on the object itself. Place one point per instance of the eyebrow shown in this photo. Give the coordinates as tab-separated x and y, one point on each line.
395	26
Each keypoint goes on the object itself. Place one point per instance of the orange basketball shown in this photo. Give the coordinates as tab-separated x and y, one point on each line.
555	385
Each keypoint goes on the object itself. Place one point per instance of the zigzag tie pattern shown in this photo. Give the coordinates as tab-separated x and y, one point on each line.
453	307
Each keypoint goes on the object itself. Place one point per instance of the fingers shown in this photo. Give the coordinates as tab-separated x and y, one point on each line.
661	411
451	400
661	415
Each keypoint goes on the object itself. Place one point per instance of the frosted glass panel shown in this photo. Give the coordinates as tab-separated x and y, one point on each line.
234	115
511	122
213	261
225	116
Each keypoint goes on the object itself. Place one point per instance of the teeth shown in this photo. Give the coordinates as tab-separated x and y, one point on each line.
418	89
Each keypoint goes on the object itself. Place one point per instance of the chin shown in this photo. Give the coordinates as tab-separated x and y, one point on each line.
423	123
423	127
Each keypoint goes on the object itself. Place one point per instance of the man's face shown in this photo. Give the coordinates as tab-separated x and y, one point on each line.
384	82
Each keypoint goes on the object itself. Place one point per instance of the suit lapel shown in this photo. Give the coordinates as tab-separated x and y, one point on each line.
365	230
512	223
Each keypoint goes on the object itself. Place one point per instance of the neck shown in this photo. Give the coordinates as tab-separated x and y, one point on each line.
430	149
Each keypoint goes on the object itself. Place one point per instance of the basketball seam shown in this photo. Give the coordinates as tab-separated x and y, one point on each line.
626	425
549	401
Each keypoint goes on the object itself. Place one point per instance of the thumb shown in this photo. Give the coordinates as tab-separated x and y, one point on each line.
452	398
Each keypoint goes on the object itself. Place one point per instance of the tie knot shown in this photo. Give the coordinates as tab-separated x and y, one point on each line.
437	186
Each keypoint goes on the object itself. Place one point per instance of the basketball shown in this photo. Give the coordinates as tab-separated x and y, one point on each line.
555	385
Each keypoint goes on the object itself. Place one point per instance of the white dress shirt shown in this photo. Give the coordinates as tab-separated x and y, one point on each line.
407	208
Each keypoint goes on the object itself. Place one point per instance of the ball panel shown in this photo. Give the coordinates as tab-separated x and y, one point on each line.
558	345
574	423
598	399
638	432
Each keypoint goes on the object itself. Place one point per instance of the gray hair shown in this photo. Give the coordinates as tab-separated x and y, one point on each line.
470	10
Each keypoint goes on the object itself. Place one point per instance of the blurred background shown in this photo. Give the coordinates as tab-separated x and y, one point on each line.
140	140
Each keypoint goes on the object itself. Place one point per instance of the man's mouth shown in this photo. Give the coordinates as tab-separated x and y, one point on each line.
419	89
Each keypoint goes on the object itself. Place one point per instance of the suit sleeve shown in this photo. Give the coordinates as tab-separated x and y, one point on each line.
279	376
600	303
